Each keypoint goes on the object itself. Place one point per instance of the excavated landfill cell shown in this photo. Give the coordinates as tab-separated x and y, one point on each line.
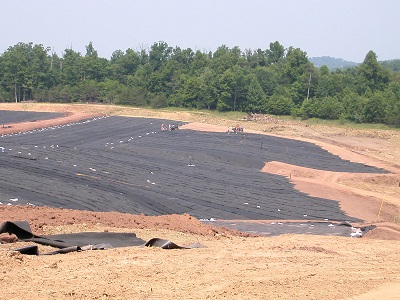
128	165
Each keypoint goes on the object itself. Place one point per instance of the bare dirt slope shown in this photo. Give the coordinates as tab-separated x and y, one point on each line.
232	266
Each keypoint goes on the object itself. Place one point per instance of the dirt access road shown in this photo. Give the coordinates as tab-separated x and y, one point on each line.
231	267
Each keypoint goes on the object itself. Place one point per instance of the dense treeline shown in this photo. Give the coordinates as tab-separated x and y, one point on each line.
277	80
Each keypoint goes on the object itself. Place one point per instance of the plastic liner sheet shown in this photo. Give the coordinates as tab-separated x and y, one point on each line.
82	241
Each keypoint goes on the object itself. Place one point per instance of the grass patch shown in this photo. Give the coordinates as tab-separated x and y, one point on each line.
348	124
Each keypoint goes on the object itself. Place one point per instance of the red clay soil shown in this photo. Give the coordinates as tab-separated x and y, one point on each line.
68	117
40	217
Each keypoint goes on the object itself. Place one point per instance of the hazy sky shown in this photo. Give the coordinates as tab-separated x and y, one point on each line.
345	29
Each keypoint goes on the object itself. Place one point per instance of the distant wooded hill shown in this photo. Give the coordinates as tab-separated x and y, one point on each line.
331	62
337	63
393	64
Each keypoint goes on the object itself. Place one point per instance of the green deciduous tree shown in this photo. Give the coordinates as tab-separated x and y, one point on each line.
131	95
200	62
233	85
256	98
225	58
324	108
15	64
275	53
280	104
392	107
93	67
268	79
296	64
354	106
71	71
208	88
124	64
159	54
372	75
374	109
256	58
